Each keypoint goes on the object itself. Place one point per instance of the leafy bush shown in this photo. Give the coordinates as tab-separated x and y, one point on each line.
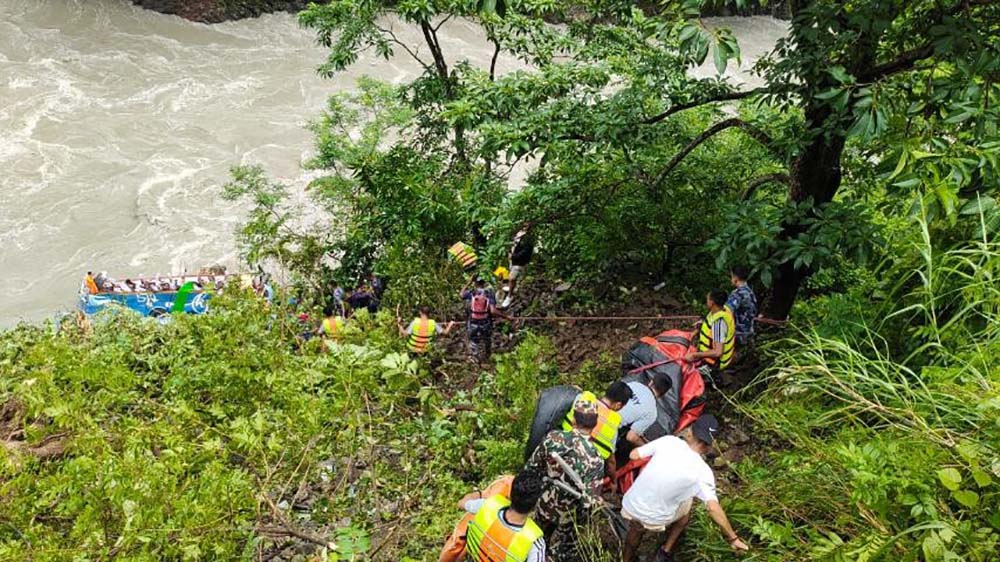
893	419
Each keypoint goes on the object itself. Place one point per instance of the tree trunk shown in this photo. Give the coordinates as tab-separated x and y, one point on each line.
815	174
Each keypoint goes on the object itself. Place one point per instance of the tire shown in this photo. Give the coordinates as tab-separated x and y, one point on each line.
551	408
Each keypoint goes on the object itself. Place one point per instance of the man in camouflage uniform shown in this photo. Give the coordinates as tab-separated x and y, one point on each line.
559	511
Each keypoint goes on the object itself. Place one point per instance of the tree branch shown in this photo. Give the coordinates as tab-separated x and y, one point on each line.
908	59
757	134
493	61
902	63
759	181
409	51
730	96
430	37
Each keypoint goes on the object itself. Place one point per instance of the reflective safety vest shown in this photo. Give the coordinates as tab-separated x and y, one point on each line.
333	328
421	335
464	255
728	346
605	433
490	540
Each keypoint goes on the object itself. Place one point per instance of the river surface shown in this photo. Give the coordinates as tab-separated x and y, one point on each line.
118	127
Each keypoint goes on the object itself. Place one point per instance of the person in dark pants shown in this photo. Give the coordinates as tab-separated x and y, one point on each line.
481	304
520	254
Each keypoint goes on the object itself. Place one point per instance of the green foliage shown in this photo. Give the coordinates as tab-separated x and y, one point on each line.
891	411
184	441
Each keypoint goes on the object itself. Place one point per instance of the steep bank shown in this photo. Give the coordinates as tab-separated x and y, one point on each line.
215	11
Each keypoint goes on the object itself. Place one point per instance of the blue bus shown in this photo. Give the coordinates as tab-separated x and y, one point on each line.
148	303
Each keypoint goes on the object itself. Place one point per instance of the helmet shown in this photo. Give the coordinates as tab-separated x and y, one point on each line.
501	273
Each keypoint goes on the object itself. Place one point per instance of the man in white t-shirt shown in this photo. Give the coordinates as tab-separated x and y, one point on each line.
662	495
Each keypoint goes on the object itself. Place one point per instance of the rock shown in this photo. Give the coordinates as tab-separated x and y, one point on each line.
738	436
215	11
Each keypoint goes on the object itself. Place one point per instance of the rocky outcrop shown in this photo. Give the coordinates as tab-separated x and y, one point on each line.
214	11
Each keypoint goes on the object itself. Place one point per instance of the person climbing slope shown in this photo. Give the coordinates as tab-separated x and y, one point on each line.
421	332
559	511
502	530
521	253
604	436
640	412
331	329
742	302
481	306
454	546
661	498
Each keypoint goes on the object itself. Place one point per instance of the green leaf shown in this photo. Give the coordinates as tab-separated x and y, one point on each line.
906	184
841	75
981	477
968	498
829	94
950	478
860	127
720	59
981	204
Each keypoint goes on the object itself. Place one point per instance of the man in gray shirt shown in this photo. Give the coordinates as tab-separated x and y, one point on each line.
640	412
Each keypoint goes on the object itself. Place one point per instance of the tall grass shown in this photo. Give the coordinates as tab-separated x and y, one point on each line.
893	420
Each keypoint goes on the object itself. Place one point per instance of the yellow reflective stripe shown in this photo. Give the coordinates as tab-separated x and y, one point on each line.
728	346
331	328
421	335
518	547
463	253
606	431
604	434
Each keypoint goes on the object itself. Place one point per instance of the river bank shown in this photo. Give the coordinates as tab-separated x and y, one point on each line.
215	11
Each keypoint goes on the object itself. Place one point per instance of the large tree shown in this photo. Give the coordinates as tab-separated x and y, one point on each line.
606	103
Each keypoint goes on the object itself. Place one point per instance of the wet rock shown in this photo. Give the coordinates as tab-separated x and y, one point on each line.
215	11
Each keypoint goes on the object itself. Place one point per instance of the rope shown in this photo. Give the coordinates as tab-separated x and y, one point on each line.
603	318
623	318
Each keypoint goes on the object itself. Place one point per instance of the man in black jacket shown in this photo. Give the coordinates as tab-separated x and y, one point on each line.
520	254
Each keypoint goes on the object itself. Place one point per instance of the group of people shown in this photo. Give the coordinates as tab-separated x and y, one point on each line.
536	515
102	283
367	295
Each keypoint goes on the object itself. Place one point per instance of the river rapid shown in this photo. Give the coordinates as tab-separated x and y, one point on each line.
118	127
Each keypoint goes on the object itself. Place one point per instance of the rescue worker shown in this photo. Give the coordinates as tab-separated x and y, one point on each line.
742	302
716	338
331	329
641	411
482	309
502	530
521	252
661	497
604	436
421	332
559	511
465	255
454	546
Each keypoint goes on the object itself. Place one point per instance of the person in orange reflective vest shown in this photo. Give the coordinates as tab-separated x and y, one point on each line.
501	529
454	546
331	329
421	332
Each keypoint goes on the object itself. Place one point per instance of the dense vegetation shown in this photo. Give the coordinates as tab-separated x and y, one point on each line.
859	181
